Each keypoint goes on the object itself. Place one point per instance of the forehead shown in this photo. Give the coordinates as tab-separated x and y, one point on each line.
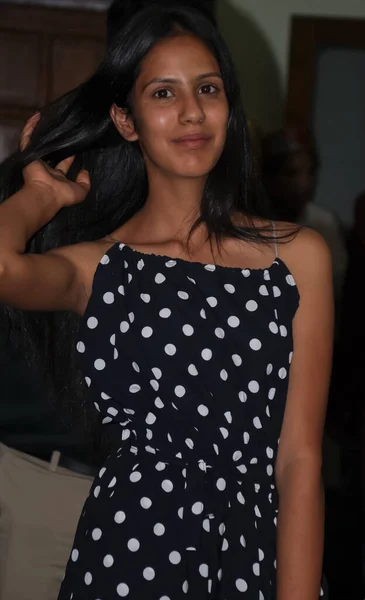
183	54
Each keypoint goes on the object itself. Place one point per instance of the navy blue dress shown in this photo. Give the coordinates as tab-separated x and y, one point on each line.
190	362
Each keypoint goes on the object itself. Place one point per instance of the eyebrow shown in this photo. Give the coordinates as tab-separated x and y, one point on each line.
172	80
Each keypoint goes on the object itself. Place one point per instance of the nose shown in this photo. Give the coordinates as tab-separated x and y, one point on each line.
191	110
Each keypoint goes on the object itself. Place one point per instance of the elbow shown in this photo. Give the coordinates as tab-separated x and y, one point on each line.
303	471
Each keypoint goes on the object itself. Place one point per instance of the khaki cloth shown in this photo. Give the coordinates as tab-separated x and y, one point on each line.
39	511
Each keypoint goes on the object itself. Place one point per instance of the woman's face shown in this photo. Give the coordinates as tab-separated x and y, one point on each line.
180	108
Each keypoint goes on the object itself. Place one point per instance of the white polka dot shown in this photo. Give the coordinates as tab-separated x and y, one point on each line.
237	360
229	288
282	373
272	393
108	298
241	498
207	354
254	387
269	470
263	290
228	416
197	508
273	327
88	381
204	570
124	326
174	557
192	370
185	587
221	484
113	482
74	555
121	290
157	372
189	442
242	396
170	349
243	541
122	590
80	347
150	419
99	364
119	517
96	534
277	291
140	264
170	263
147	332
241	585
149	573
112	339
167	485
223	375
224	432
108	561
154	384
165	313
224	545
210	268
255	344
206	525
159	529
133	545
159	403
237	455
256	569
135	476
290	280
88	578
203	410
290	357
146	298
269	369
219	332
180	391
212	301
203	314
183	295
246	272
146	503
160	278
92	322
257	423
188	330
105	260
283	331
233	322
251	306
134	388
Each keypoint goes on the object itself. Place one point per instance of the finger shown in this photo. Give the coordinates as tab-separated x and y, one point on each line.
83	178
28	130
65	164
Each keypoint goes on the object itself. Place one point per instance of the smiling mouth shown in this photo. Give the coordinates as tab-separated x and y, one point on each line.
193	141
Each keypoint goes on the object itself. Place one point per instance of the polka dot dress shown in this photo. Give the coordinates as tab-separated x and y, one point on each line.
188	366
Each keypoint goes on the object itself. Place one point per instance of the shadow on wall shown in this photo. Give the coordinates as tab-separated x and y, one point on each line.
259	74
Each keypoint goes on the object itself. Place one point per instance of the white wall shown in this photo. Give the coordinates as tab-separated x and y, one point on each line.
258	33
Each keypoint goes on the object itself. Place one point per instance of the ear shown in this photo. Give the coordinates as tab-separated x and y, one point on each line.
124	123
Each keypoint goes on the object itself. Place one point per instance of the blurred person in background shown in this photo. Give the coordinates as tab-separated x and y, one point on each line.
290	165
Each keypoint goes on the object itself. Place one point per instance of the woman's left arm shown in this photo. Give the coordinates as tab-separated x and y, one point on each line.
299	461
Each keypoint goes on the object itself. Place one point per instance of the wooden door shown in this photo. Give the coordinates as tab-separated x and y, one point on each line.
44	52
326	92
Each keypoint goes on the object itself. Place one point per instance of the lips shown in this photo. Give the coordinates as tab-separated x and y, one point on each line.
193	141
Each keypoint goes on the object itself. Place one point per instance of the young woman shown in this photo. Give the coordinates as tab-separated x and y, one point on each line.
193	343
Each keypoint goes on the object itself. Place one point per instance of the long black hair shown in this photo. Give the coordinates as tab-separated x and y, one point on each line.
79	124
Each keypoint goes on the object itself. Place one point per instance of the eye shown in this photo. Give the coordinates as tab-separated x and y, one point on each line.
162	94
208	88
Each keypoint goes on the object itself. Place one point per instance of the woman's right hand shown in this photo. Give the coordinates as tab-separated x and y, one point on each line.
53	181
